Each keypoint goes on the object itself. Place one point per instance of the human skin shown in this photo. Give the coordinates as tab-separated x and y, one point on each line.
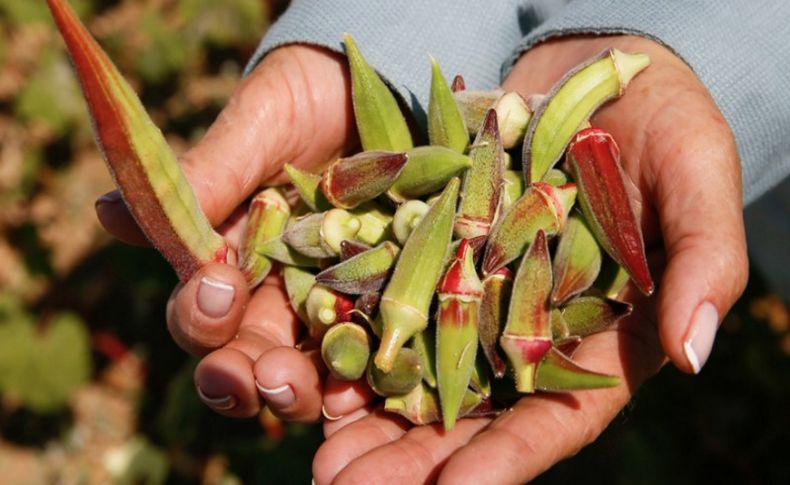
295	107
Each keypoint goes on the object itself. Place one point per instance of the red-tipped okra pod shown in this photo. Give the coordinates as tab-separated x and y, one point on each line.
577	261
146	171
348	182
267	216
363	273
483	182
527	334
460	293
542	207
594	160
407	298
493	311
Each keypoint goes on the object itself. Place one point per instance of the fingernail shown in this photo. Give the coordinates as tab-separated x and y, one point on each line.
108	198
280	397
219	403
701	333
328	416
214	298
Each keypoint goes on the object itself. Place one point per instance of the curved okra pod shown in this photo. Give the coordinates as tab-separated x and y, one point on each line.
571	102
405	374
268	215
527	335
428	170
145	170
483	182
407	298
594	159
380	123
493	311
348	182
308	185
345	350
363	273
445	124
577	260
557	373
542	207
460	293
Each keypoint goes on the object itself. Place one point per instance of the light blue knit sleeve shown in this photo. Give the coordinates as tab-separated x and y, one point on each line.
465	36
740	49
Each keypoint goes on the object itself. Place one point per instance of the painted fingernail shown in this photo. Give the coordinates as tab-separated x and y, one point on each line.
214	298
219	403
328	416
280	397
701	333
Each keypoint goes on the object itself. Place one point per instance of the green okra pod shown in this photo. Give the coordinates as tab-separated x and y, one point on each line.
407	298
308	185
326	307
421	405
407	217
586	315
513	188
298	282
345	349
268	215
571	102
363	273
577	261
445	124
380	123
404	375
350	248
428	170
493	311
558	373
424	343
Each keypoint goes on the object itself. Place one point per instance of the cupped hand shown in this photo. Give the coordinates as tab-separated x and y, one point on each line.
293	108
679	151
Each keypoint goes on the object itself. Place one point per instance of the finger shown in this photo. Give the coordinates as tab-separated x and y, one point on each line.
117	220
225	379
344	397
289	382
205	312
543	429
416	457
294	107
354	440
332	426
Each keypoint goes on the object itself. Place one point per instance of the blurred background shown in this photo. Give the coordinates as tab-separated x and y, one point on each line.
92	389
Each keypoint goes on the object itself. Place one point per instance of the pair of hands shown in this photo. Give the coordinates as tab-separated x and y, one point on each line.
296	108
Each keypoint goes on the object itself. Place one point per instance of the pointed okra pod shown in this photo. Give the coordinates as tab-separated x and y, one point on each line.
363	273
557	373
268	215
380	123
460	293
594	159
407	217
424	343
445	124
571	102
493	310
326	307
298	282
277	250
586	315
527	335
348	182
428	170
308	185
145	170
407	298
345	350
483	182
405	374
421	405
577	261
542	207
